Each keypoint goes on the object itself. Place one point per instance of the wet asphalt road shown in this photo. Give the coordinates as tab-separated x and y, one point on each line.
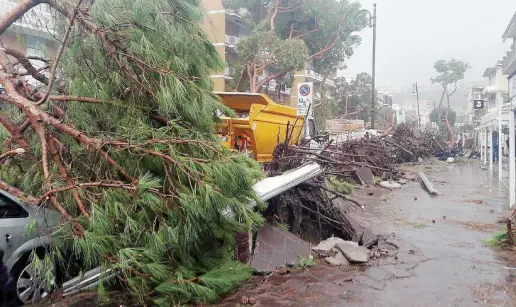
443	258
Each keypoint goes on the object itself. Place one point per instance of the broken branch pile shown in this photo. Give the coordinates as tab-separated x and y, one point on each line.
410	146
311	210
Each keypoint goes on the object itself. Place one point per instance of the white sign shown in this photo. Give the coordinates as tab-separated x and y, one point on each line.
305	96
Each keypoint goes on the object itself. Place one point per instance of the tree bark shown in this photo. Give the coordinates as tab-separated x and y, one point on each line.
17	13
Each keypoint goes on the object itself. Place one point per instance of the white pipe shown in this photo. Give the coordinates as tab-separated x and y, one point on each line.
512	153
500	140
491	149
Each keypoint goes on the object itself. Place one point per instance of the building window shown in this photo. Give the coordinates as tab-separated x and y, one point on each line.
35	46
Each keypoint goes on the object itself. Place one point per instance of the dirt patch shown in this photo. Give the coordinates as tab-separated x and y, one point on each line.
477	226
489	294
473	201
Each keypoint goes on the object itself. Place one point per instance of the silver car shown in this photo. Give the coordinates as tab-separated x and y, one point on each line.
18	243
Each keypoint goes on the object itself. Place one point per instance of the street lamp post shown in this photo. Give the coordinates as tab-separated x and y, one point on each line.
372	24
415	92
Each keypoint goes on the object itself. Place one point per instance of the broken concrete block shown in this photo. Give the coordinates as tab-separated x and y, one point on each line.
353	252
276	248
366	175
326	248
403	181
337	260
390	185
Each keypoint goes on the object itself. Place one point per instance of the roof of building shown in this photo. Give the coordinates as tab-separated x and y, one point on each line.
510	32
489	72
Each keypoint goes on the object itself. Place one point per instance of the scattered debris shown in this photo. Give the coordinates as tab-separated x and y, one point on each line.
429	186
337	260
390	185
248	300
326	248
402	181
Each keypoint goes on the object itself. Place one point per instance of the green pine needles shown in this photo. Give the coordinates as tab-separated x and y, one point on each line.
133	162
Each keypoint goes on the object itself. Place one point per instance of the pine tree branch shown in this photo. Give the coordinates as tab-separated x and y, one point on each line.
18	193
14	131
117	166
12	16
64	176
66	98
25	63
59	54
29	108
119	185
11	153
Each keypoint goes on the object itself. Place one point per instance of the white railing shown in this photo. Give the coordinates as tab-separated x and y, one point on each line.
232	41
318	77
38	18
509	62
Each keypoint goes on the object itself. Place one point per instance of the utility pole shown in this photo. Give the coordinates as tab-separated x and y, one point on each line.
372	24
415	92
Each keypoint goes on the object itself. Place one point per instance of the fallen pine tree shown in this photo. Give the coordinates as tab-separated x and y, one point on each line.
117	136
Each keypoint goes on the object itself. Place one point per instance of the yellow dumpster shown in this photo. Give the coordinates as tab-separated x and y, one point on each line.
259	125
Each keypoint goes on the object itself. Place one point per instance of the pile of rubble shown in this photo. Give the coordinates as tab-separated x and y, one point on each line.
338	252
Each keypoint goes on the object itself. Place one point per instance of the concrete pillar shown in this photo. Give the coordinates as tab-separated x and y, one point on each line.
500	143
512	163
491	148
486	143
481	140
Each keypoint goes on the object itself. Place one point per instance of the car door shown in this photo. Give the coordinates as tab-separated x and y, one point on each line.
13	219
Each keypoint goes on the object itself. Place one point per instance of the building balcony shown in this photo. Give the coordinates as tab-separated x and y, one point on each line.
37	21
509	63
231	41
310	74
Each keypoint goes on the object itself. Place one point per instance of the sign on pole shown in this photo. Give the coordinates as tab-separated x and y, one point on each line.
478	104
305	99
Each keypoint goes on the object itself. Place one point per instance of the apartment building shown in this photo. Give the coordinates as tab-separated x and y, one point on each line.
496	88
225	29
31	34
509	62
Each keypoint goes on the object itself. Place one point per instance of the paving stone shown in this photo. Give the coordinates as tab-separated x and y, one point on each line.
353	252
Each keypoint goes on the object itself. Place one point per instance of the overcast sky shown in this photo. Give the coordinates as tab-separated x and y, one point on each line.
413	34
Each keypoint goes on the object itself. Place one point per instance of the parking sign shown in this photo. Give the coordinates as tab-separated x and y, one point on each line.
304	98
